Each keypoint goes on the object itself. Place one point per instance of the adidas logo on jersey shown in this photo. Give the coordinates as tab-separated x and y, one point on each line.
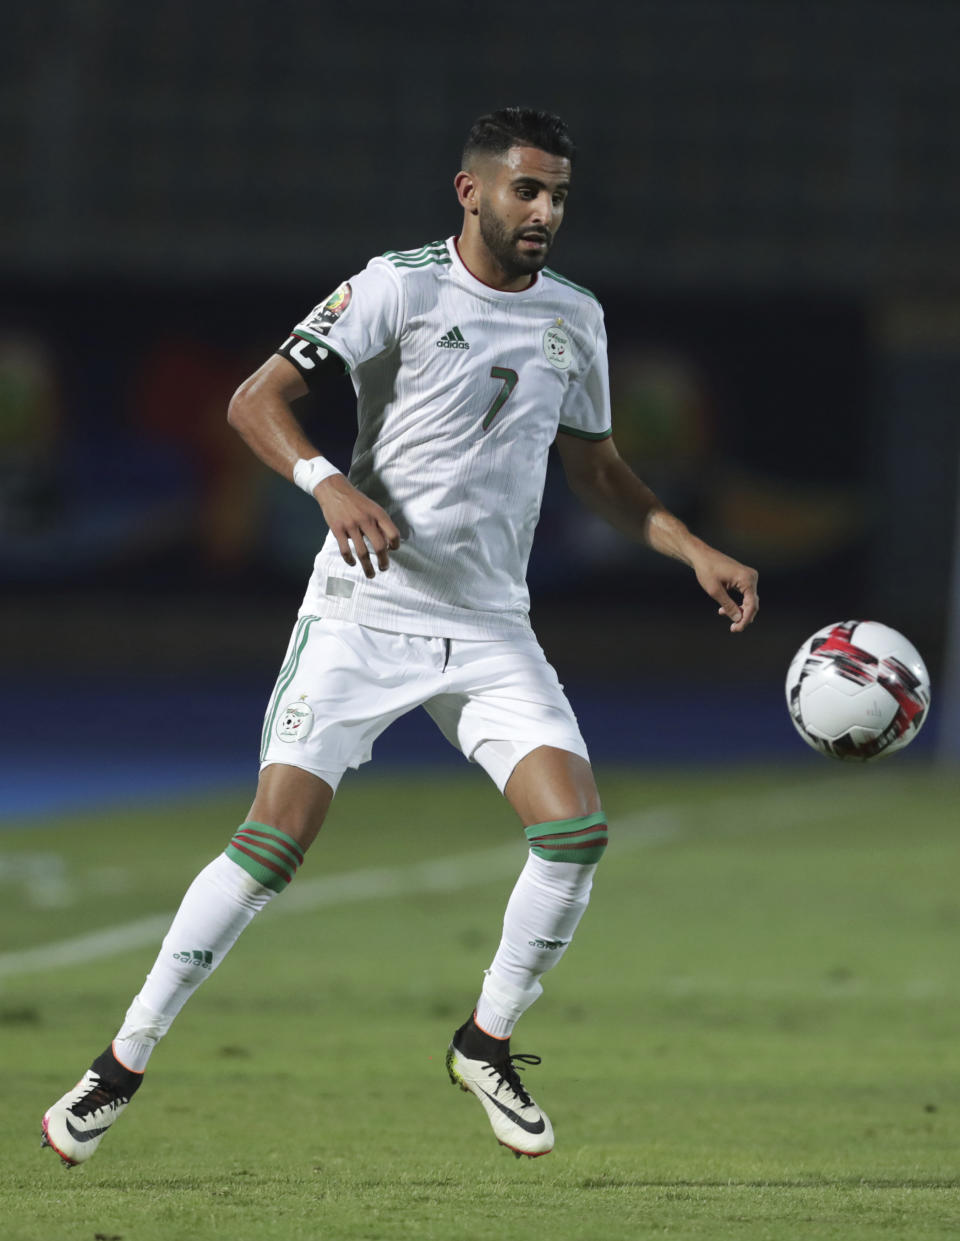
453	339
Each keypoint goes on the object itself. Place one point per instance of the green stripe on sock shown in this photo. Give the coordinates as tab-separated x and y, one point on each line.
581	841
266	853
269	839
559	826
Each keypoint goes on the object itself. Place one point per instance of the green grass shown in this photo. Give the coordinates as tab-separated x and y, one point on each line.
756	1034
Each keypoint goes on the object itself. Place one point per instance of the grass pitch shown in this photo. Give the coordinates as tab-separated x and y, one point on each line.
755	1034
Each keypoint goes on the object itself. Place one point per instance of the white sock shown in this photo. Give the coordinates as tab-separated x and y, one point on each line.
542	914
217	906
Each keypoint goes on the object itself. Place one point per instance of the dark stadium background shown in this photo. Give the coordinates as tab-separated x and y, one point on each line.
766	201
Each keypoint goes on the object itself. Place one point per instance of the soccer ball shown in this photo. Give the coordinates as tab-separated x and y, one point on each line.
857	690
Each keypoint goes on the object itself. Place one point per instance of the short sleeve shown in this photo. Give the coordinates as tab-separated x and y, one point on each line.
360	319
585	411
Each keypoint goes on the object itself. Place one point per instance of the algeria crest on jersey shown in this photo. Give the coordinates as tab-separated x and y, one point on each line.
556	347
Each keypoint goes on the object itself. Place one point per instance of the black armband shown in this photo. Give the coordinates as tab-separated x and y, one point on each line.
305	355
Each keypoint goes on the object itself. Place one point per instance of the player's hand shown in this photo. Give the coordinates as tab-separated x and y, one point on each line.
718	575
353	518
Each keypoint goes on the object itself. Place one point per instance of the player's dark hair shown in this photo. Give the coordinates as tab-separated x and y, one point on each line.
497	132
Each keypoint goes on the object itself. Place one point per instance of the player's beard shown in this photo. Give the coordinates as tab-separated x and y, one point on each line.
504	244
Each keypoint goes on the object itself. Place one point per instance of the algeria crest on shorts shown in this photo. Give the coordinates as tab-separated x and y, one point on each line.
556	347
295	722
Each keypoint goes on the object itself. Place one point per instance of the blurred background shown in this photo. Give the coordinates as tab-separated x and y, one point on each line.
766	201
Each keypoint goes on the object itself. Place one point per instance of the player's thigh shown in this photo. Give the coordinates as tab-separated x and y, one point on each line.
340	686
506	710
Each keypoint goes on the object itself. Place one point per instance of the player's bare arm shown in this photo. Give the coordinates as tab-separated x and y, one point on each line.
260	412
599	476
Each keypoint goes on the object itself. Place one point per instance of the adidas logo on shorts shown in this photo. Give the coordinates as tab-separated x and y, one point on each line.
454	339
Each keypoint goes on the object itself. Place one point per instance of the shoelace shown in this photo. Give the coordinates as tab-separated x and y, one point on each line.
101	1095
507	1072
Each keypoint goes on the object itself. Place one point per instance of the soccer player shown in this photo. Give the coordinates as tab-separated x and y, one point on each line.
469	357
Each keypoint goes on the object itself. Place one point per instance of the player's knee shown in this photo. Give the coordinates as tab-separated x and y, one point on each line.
581	841
292	801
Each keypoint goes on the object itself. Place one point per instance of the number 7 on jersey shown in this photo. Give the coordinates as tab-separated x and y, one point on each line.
510	379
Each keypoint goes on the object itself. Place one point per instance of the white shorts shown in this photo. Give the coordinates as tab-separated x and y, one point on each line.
342	684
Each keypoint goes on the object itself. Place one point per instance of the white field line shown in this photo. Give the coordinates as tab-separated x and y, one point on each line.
82	948
449	874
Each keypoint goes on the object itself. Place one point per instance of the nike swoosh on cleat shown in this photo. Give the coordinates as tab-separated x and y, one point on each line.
81	1135
529	1126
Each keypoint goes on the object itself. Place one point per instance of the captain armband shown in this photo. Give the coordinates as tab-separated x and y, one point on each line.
306	355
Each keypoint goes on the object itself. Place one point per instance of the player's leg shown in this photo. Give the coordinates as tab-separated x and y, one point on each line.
554	793
258	863
330	675
540	763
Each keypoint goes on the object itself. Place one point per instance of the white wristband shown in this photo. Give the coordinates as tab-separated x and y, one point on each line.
306	474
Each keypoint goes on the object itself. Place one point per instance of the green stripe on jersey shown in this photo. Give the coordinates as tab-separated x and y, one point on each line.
586	435
415	256
581	841
548	271
432	252
432	260
435	247
414	250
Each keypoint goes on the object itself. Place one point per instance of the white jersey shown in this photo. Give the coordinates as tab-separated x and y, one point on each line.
461	390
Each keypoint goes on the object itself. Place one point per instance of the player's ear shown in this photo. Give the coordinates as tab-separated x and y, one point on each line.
468	191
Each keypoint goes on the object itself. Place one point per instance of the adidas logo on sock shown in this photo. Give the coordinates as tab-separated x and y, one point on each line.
196	957
454	339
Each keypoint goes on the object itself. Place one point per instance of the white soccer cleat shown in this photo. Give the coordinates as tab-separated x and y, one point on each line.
75	1125
517	1121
